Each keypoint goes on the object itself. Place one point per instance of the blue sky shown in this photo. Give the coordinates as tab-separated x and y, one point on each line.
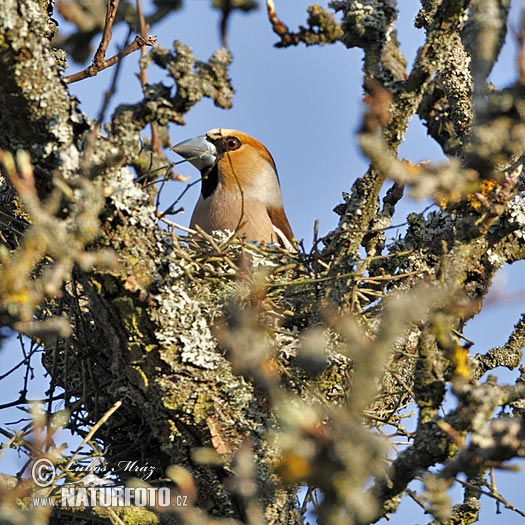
305	105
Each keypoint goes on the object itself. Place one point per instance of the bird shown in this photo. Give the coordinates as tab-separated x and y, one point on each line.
240	189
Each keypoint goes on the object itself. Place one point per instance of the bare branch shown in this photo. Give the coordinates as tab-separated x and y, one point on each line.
95	69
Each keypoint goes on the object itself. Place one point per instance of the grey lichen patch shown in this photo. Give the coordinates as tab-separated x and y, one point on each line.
447	107
70	161
516	215
425	232
181	324
367	22
31	84
195	79
457	83
128	196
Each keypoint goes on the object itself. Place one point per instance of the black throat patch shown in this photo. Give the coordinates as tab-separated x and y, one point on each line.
210	179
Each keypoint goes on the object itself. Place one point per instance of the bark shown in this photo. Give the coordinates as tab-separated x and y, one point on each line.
250	369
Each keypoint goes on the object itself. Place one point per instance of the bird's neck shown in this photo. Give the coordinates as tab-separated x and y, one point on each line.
210	180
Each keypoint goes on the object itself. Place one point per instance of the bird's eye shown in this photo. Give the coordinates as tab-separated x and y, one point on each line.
233	143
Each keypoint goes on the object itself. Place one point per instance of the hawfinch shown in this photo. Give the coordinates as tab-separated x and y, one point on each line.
240	188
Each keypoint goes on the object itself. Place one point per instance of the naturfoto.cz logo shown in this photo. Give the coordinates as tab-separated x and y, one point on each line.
94	491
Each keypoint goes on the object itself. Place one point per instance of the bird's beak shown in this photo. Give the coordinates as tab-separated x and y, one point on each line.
198	150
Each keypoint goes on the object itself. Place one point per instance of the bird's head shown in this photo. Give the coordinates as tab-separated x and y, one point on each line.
233	159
